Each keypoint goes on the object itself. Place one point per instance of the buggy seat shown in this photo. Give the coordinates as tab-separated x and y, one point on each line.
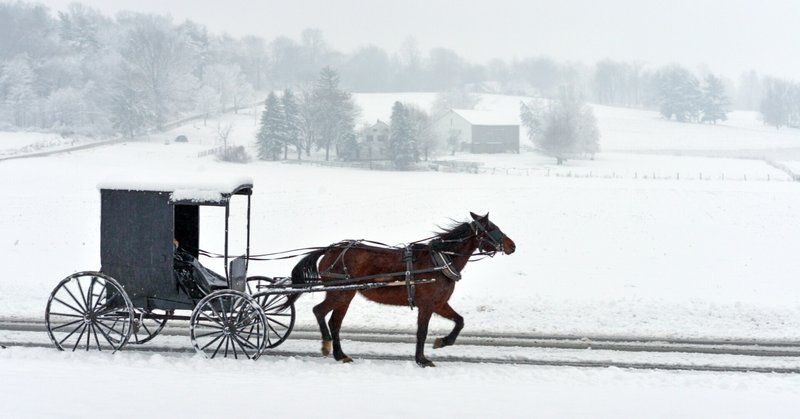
194	278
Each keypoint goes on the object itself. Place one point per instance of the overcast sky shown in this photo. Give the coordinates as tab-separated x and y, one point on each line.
727	36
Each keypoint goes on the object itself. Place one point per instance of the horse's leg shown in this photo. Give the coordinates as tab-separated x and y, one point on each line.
320	311
448	313
423	318
335	324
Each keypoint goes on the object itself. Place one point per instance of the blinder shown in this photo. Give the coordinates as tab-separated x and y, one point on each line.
494	237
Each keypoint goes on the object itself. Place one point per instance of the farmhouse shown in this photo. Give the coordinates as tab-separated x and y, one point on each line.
479	131
373	141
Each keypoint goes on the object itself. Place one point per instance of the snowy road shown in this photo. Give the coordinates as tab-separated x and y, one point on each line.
632	352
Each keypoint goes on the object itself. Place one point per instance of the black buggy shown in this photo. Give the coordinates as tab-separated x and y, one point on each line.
149	244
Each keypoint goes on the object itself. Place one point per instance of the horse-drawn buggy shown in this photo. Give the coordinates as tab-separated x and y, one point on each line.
150	274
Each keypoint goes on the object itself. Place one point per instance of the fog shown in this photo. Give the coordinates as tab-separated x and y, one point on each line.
725	37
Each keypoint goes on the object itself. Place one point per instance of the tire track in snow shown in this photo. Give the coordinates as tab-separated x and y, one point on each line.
621	345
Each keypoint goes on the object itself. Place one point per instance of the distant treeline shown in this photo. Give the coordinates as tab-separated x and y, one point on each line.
78	70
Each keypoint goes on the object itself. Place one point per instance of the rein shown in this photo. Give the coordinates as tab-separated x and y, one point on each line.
478	231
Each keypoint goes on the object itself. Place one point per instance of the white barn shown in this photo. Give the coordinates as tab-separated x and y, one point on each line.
479	131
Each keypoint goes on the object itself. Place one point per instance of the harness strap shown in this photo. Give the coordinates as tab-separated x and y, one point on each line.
411	289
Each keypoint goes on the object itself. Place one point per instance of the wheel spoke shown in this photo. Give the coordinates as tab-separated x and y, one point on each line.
67	315
220	317
78	341
96	340
224	339
245	342
207	334
274	330
107	308
209	325
88	335
233	346
80	308
100	296
242	345
89	293
245	320
69	306
250	332
212	342
105	335
271	320
70	334
80	287
83	308
271	302
112	329
227	342
66	324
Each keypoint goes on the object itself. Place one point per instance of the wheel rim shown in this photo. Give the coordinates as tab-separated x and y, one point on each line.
146	328
228	323
89	310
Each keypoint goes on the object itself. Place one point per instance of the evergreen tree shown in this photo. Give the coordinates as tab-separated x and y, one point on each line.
679	94
714	105
292	123
401	141
272	132
333	111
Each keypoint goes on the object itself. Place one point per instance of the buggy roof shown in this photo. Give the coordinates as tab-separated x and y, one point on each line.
185	187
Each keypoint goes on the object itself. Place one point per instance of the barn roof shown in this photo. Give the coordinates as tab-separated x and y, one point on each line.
487	117
184	187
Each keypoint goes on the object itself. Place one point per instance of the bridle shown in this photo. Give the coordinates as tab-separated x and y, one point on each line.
494	238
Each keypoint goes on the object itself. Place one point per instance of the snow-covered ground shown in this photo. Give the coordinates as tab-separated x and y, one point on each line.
621	255
82	385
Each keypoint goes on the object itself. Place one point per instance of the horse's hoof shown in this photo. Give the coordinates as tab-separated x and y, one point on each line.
426	363
326	347
345	360
438	343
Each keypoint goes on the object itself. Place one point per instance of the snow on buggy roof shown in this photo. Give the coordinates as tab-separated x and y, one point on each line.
184	187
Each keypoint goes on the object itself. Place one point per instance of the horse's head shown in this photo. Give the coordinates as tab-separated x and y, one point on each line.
490	238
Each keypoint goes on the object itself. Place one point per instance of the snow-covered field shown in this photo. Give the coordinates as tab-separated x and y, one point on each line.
613	255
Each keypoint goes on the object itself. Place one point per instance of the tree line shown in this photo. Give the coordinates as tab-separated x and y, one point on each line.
79	70
323	118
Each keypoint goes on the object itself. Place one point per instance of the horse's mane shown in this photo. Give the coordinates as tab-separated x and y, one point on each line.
456	230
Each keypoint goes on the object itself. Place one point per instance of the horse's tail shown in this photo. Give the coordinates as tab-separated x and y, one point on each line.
304	271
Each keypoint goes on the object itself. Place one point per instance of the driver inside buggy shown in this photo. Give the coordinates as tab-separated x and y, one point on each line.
193	278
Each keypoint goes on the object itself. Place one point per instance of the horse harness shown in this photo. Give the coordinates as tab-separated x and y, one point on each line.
441	263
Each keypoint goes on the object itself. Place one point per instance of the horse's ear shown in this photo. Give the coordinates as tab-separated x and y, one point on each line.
477	217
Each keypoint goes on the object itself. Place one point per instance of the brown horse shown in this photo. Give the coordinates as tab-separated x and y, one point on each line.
356	262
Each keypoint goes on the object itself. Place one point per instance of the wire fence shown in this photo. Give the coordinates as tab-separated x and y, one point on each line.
781	174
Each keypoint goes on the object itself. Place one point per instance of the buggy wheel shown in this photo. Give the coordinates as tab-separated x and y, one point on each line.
280	317
89	310
228	323
147	324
